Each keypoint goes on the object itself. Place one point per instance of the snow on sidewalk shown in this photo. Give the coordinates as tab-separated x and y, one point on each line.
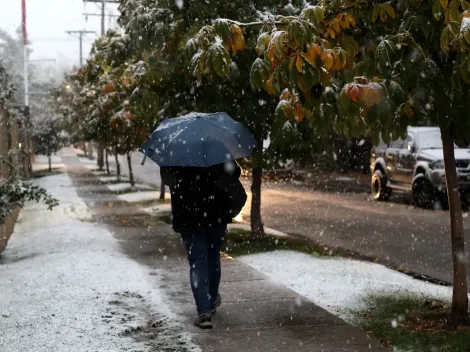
41	163
336	284
66	287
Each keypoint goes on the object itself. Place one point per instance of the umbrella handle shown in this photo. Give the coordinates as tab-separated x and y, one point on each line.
143	161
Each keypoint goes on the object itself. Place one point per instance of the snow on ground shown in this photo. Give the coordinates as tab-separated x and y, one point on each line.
111	179
144	196
87	161
41	163
34	216
120	187
336	284
91	166
66	287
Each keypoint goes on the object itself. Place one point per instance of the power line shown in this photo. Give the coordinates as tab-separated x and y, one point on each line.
80	37
53	39
103	11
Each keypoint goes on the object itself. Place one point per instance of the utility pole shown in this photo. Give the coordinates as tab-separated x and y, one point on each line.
80	37
28	159
103	11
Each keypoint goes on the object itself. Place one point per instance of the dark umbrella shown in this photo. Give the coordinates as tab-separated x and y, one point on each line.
198	140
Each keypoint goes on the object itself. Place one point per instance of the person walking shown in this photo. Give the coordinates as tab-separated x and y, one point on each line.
203	201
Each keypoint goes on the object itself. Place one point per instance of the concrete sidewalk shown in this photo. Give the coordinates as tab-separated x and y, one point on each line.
257	314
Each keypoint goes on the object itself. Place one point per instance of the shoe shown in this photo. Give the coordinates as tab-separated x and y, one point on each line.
216	304
204	321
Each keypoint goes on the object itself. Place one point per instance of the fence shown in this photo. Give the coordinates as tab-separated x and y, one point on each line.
9	161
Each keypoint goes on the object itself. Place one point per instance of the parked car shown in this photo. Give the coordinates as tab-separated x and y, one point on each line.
416	165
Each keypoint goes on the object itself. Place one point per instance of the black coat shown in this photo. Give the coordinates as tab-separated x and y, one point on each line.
204	197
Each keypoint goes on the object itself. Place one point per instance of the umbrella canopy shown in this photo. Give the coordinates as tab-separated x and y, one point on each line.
198	140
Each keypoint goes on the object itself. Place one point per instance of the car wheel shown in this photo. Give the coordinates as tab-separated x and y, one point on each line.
380	191
424	194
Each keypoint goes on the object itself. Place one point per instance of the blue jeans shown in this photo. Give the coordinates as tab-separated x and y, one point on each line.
204	261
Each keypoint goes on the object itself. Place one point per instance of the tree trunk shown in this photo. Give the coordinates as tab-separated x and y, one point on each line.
100	157
118	166
107	160
459	313
257	227
50	162
131	175
84	149
162	190
90	150
15	153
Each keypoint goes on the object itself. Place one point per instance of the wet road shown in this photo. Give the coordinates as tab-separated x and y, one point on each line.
394	233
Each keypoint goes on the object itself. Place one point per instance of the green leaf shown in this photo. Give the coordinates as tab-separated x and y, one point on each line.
385	53
396	92
258	74
349	45
448	35
262	43
452	12
310	76
218	59
313	14
375	13
298	32
284	109
436	10
465	5
444	3
222	28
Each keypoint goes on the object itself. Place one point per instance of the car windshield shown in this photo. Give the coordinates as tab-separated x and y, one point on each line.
430	140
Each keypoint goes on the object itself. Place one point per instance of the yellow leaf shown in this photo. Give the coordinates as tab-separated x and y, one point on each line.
332	34
269	85
352	20
298	63
299	111
271	52
309	59
444	3
336	26
409	111
234	48
240	42
236	30
345	22
328	59
318	49
389	9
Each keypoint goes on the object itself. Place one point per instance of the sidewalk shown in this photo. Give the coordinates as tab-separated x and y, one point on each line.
257	314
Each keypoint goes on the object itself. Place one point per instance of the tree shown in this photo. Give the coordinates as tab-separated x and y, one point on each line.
162	31
47	138
372	67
